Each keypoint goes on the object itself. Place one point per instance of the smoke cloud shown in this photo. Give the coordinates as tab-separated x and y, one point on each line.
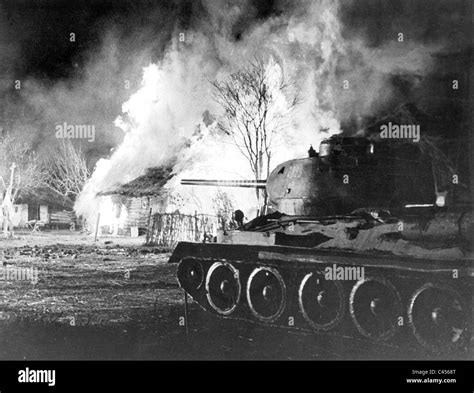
143	78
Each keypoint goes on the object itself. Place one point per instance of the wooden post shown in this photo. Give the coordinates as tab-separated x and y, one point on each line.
186	316
97	227
170	231
156	218
196	229
148	227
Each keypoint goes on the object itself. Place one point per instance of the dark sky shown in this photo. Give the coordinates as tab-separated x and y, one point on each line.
38	29
34	44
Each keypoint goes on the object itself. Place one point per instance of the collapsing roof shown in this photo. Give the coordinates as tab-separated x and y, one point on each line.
150	184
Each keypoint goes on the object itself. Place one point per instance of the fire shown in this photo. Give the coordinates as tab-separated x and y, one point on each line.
171	119
163	122
113	216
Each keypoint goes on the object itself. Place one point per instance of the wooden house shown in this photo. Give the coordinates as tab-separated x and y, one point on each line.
43	206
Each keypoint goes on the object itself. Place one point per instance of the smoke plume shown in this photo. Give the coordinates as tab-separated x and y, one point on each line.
143	78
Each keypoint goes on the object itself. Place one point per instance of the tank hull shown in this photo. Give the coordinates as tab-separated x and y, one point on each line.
395	300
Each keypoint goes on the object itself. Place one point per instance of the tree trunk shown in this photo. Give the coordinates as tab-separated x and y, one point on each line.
265	194
7	206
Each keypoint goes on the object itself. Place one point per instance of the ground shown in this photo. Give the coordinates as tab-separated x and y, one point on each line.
117	299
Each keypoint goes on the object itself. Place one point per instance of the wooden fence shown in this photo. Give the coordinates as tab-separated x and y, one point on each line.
167	229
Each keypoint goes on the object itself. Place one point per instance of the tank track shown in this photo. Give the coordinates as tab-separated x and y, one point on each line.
394	301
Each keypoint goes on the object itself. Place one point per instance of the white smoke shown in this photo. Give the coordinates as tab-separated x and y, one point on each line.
165	119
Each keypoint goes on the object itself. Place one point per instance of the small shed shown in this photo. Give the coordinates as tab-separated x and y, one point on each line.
45	206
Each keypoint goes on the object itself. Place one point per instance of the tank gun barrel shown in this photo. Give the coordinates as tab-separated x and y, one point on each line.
225	183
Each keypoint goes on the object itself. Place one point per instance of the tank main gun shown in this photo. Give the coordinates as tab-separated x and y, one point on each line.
259	184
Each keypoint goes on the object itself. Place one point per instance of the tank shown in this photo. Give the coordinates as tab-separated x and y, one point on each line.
367	238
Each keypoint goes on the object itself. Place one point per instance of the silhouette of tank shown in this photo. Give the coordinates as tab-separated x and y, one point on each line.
367	239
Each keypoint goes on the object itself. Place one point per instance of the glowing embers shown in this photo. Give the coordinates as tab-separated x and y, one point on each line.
321	301
438	317
223	287
190	274
376	308
266	294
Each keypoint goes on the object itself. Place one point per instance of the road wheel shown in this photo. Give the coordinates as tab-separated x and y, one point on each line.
438	317
266	294
321	301
223	287
376	308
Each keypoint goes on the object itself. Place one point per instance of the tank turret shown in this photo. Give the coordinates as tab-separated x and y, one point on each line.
348	173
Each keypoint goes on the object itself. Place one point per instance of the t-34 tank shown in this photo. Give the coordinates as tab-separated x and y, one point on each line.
366	239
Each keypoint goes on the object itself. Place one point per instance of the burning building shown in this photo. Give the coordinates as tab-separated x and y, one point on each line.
126	209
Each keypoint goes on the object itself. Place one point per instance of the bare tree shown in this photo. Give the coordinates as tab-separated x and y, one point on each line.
19	175
257	103
65	171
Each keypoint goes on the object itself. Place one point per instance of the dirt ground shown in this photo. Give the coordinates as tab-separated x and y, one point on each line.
116	299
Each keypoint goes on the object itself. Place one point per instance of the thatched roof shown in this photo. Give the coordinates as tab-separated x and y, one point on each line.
150	184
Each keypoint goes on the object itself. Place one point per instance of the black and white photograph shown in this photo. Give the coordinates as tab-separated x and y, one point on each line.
236	180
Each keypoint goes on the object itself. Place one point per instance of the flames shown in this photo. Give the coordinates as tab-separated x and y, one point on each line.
113	215
171	119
